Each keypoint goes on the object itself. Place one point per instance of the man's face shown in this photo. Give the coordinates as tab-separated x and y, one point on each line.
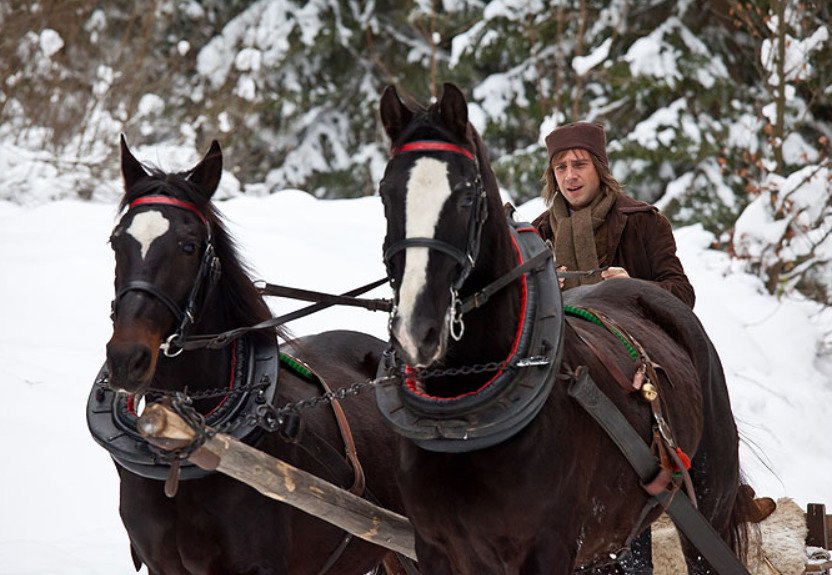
577	177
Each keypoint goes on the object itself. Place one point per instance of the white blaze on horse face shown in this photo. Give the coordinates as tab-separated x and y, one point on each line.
147	227
428	189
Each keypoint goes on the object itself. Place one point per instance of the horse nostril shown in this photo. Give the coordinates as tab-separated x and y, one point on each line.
129	364
431	337
139	361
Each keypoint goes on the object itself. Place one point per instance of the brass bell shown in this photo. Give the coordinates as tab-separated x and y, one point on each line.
649	391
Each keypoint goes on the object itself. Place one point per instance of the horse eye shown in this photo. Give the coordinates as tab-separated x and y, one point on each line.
468	195
189	248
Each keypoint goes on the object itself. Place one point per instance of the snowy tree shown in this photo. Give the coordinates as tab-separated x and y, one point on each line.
785	234
714	110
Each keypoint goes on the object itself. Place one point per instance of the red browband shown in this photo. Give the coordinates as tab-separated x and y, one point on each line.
168	201
430	146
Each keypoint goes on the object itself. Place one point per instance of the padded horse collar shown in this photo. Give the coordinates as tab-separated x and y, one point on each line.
112	422
507	404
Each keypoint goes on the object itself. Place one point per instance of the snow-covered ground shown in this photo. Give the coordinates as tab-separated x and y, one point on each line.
59	490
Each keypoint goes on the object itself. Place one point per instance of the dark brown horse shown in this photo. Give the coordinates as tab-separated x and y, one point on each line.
501	471
178	273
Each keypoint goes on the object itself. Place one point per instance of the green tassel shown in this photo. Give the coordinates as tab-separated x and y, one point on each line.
298	368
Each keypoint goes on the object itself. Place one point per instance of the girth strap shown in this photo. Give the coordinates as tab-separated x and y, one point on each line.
689	521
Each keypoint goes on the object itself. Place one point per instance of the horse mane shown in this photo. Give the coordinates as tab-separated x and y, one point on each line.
235	296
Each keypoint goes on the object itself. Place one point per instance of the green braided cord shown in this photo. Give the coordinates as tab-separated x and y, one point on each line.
290	362
589	316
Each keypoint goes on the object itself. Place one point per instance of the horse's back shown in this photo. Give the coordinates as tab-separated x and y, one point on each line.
333	353
641	306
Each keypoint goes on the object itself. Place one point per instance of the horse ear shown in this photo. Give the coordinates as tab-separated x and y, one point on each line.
394	114
454	110
208	171
131	168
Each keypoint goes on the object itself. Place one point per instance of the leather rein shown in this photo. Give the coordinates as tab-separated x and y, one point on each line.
210	271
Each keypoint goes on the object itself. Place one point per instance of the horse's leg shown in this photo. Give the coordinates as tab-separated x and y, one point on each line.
640	559
551	556
715	470
149	518
432	560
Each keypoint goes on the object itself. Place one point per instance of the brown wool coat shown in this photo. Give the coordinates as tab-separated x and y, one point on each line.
640	240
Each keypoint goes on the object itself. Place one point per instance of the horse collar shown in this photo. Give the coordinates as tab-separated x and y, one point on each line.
512	399
112	421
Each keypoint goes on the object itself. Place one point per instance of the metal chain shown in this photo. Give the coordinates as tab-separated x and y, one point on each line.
183	406
208	393
530	361
270	418
464	370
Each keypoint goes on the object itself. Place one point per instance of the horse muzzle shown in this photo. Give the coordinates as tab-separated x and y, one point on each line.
132	360
419	341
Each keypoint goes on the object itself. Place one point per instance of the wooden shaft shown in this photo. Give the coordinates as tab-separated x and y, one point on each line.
279	480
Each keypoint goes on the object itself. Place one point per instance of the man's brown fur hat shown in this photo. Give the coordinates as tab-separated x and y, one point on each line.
588	136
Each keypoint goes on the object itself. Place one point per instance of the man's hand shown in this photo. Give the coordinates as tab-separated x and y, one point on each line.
613	272
561	280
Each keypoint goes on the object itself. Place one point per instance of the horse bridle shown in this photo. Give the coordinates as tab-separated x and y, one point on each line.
209	271
465	260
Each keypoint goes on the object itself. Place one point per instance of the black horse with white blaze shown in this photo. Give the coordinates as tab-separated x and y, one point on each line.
501	471
178	274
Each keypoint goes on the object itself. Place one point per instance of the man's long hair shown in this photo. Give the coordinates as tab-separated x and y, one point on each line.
550	184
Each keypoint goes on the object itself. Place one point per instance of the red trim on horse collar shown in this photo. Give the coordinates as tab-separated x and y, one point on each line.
430	146
168	201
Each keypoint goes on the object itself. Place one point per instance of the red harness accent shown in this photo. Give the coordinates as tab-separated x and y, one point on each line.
431	146
168	201
411	383
683	457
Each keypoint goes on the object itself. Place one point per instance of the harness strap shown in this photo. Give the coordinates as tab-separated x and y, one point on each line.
359	482
218	340
418	242
322	450
148	287
330	299
689	521
481	297
646	372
